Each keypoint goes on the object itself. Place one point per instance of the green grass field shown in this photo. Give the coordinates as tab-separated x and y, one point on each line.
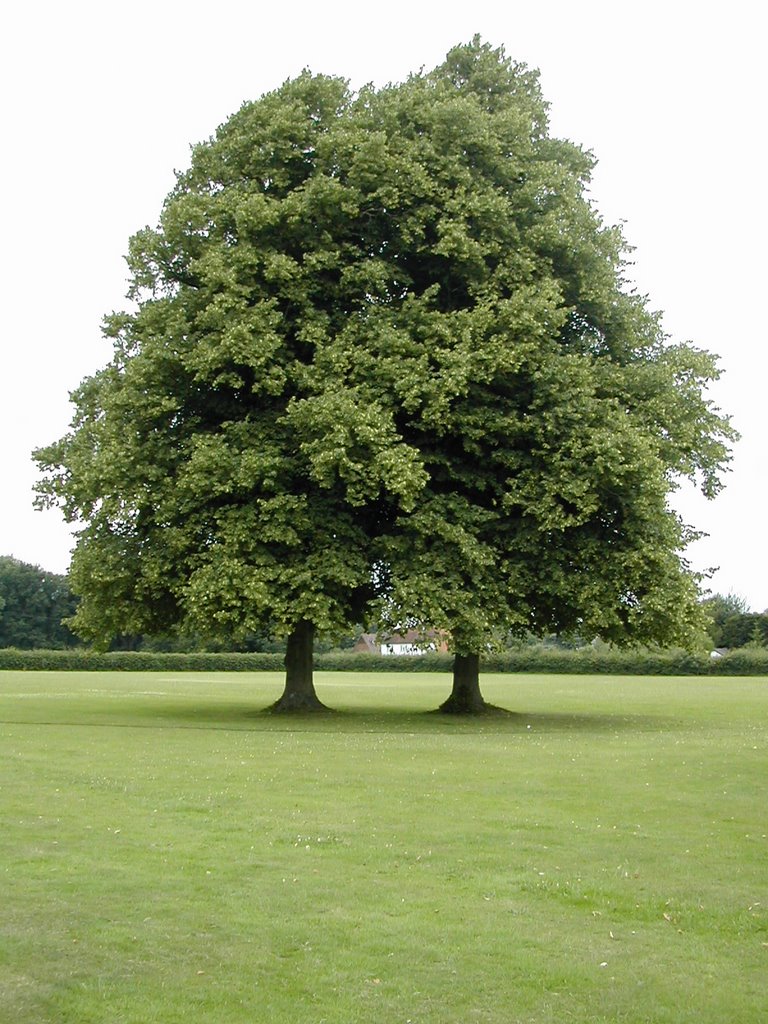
170	853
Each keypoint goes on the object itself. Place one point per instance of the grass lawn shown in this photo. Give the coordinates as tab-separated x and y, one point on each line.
169	853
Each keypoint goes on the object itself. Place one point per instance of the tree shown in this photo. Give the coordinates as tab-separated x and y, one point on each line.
384	362
33	604
550	412
217	487
731	624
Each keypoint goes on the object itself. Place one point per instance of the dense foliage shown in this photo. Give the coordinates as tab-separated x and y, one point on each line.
733	625
33	605
383	363
550	412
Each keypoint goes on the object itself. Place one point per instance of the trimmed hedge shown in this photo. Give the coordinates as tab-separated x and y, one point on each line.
545	661
746	661
83	660
348	661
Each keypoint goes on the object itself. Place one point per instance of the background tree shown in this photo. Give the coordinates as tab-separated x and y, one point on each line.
732	624
33	605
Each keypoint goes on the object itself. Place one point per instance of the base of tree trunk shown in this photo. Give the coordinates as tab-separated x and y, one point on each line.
454	707
466	698
298	703
458	706
299	694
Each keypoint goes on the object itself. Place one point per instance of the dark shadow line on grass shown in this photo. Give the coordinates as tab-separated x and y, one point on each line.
378	722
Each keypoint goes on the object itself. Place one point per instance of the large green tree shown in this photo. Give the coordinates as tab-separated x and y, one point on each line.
216	488
384	351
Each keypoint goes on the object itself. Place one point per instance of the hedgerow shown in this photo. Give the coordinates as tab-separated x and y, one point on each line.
545	661
84	660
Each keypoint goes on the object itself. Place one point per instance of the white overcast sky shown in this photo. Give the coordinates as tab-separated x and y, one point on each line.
101	101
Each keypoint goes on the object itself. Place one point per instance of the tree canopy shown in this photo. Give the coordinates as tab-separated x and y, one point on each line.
383	362
33	605
732	624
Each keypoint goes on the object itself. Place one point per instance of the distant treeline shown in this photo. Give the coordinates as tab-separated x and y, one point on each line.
733	625
33	605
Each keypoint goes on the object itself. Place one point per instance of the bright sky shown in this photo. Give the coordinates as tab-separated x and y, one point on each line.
102	100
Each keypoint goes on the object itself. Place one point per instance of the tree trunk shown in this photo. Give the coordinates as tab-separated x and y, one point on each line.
299	693
465	698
